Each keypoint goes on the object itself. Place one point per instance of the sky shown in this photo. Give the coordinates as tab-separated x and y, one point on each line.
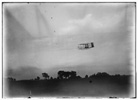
44	37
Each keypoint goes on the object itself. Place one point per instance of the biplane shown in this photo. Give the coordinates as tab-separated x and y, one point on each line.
86	45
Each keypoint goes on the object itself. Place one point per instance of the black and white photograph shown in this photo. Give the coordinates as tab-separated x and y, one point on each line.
69	49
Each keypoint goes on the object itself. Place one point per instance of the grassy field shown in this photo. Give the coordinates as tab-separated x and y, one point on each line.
84	87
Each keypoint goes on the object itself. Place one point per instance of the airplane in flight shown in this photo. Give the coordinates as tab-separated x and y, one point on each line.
86	46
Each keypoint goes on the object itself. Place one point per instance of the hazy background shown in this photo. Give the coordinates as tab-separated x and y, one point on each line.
44	37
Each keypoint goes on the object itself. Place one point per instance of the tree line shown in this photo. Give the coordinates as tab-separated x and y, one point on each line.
73	75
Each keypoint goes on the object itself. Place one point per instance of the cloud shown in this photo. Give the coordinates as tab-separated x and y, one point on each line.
91	23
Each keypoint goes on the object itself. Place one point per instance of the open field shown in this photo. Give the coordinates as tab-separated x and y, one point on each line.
83	87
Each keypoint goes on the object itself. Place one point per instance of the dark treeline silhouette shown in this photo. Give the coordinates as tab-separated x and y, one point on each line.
11	79
45	75
66	75
62	75
37	78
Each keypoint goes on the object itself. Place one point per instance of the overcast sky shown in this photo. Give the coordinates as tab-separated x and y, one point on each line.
44	37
